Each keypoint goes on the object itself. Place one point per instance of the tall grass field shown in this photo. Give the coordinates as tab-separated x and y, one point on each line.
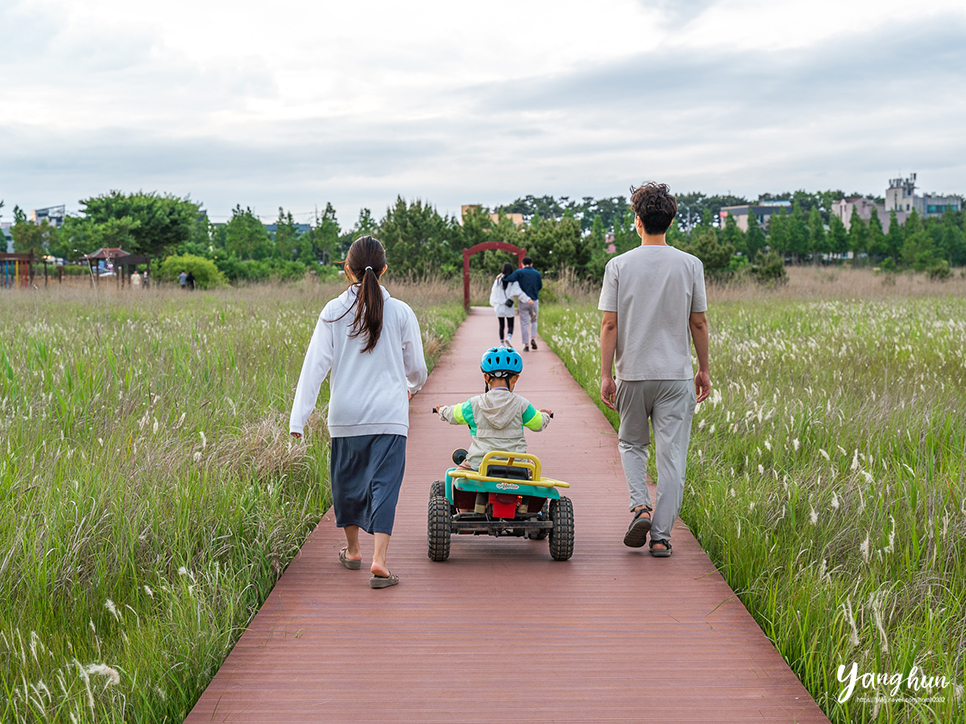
150	494
827	479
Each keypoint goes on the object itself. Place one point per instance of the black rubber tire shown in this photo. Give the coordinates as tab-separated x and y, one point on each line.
437	488
438	529
562	534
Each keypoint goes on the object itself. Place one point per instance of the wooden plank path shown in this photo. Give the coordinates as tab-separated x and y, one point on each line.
500	632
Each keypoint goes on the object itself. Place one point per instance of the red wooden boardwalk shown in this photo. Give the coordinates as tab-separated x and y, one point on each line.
500	632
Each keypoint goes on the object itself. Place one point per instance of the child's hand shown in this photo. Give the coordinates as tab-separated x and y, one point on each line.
297	435
549	412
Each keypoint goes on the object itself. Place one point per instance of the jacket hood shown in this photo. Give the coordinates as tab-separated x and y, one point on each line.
498	409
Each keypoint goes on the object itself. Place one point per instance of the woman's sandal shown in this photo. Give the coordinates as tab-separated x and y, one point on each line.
636	535
659	553
384	581
350	564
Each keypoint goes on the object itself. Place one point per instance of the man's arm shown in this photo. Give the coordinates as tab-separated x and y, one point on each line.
698	322
608	348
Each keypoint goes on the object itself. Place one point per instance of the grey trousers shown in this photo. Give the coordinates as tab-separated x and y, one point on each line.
528	321
670	406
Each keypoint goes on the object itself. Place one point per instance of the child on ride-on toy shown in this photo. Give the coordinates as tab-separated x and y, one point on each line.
497	417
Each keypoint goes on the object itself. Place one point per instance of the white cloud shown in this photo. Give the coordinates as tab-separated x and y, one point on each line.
299	103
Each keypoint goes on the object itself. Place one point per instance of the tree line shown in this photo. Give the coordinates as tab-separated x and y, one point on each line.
560	234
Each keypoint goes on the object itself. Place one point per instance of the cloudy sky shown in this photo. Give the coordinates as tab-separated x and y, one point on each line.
295	103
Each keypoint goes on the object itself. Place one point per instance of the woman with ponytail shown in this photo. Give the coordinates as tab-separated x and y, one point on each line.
372	346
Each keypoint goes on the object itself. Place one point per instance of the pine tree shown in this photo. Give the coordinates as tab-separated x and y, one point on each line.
733	236
838	237
754	238
818	239
858	234
778	234
798	232
895	238
877	242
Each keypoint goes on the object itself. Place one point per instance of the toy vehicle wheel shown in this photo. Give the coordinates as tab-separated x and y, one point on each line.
438	529
437	488
562	533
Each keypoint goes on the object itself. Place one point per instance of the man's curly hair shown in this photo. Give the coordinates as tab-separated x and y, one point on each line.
654	206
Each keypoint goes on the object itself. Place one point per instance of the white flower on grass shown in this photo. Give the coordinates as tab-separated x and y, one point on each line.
847	609
813	516
768	445
109	605
197	457
112	676
864	548
868	476
823	454
204	440
154	429
835	501
855	460
761	469
892	536
751	506
796	444
148	591
182	571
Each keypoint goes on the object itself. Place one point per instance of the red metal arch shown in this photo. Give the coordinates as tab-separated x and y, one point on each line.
467	253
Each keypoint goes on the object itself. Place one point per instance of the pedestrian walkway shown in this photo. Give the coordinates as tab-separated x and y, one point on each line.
500	632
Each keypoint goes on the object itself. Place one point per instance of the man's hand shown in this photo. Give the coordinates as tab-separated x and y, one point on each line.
608	392
702	385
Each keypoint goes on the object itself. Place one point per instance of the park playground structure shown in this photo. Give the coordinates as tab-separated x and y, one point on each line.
16	270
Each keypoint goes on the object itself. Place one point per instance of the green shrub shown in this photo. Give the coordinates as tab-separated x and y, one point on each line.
206	273
264	270
939	272
770	269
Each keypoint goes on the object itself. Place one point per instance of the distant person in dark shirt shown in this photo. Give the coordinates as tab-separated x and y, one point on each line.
531	283
190	281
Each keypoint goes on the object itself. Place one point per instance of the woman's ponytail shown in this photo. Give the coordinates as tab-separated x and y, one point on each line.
366	260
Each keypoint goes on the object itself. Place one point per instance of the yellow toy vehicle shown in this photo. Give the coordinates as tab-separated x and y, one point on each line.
506	497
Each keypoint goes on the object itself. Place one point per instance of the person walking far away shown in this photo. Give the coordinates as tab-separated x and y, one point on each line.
372	345
501	299
531	283
190	281
183	279
653	303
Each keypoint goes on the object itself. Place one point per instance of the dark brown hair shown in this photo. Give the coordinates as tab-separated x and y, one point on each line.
365	261
654	206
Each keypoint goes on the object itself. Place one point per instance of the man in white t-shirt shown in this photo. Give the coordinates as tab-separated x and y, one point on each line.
654	304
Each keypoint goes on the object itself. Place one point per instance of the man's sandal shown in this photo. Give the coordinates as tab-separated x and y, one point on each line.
660	553
636	535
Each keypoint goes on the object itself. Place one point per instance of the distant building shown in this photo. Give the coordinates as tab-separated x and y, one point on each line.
53	215
763	212
843	209
517	219
6	238
901	196
299	228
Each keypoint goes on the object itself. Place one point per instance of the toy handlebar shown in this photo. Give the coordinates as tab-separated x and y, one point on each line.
436	412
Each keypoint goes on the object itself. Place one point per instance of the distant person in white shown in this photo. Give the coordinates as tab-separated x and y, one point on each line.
654	304
502	295
373	347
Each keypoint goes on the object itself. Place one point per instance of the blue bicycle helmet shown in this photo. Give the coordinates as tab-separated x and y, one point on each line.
501	362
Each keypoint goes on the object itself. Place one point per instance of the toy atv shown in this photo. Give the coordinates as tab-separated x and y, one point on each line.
506	497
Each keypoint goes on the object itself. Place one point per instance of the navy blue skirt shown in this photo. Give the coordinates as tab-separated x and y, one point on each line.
366	472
